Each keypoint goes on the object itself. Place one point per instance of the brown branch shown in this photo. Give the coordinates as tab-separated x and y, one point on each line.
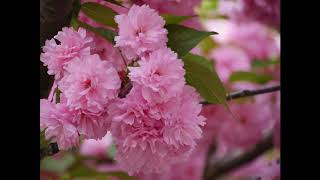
212	149
54	14
226	166
125	90
248	93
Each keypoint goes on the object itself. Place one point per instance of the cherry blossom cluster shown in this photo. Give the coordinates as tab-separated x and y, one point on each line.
242	38
264	11
240	44
87	84
159	124
155	125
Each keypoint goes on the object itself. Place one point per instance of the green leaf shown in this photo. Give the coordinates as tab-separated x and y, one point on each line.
263	63
74	23
57	165
99	13
201	75
105	33
76	6
43	142
82	171
121	175
172	19
114	2
250	76
182	39
207	44
207	7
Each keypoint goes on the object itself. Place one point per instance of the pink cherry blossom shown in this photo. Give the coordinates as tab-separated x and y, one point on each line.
94	126
71	44
215	116
96	148
193	23
161	75
262	167
252	122
229	59
58	122
141	31
264	11
176	7
108	52
191	169
277	126
223	27
255	39
90	84
150	137
277	134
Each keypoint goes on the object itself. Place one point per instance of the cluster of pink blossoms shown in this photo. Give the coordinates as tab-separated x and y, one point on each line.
155	125
141	31
158	122
87	84
264	11
240	44
177	7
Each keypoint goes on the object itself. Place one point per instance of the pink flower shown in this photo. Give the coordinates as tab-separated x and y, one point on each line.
107	52
264	11
161	75
223	27
277	126
215	116
58	122
277	134
176	7
94	126
150	137
262	167
252	122
193	23
228	60
96	148
256	40
141	31
90	84
71	44
191	169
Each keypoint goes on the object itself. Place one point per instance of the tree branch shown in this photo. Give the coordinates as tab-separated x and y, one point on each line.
54	14
247	93
225	166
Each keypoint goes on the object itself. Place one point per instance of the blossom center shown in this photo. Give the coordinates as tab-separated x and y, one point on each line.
140	31
243	120
87	83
